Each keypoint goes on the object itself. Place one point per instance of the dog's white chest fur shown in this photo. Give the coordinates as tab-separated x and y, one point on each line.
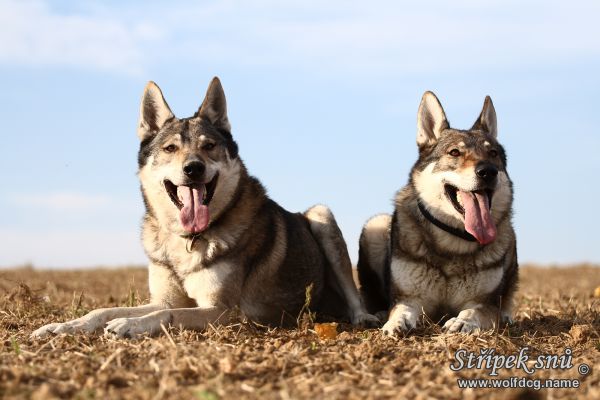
435	287
204	285
200	279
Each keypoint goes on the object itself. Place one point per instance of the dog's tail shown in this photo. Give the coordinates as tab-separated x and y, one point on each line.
373	257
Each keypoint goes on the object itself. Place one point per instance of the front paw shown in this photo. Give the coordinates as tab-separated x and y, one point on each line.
135	327
466	325
70	327
399	325
130	328
45	331
366	320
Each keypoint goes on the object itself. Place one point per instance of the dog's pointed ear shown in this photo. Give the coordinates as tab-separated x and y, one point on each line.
154	111
487	119
214	106
431	120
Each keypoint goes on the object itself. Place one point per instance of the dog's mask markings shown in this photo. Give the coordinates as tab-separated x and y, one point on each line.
185	157
473	204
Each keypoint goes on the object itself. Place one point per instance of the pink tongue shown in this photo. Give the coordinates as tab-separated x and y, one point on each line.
194	214
478	219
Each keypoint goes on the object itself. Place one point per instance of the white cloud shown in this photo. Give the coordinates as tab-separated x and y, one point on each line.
389	36
322	36
60	201
31	34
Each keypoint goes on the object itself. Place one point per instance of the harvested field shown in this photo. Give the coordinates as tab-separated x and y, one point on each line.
555	310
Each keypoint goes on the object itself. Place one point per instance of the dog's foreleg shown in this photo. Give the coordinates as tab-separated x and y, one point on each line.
166	292
474	317
325	229
94	320
197	318
403	317
374	246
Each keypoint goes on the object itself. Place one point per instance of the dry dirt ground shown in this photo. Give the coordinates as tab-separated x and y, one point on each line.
555	310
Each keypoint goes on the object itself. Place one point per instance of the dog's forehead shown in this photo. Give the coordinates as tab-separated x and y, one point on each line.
198	128
467	138
190	129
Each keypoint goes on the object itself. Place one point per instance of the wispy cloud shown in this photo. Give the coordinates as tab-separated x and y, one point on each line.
338	35
32	34
392	36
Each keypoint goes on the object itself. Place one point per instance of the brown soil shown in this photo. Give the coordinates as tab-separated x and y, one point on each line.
555	309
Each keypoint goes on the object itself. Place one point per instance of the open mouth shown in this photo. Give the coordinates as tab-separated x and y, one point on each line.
457	201
192	200
207	190
476	208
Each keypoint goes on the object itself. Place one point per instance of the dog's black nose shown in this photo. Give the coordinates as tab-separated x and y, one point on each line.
193	169
487	172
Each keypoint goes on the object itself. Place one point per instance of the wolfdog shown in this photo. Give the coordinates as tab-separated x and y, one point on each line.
214	238
449	249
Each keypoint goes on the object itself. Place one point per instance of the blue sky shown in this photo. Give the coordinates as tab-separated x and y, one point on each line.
322	99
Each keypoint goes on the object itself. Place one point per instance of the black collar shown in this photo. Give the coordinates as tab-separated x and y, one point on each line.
450	229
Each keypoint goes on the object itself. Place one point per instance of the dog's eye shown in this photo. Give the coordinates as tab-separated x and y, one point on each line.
454	152
493	153
208	146
170	148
